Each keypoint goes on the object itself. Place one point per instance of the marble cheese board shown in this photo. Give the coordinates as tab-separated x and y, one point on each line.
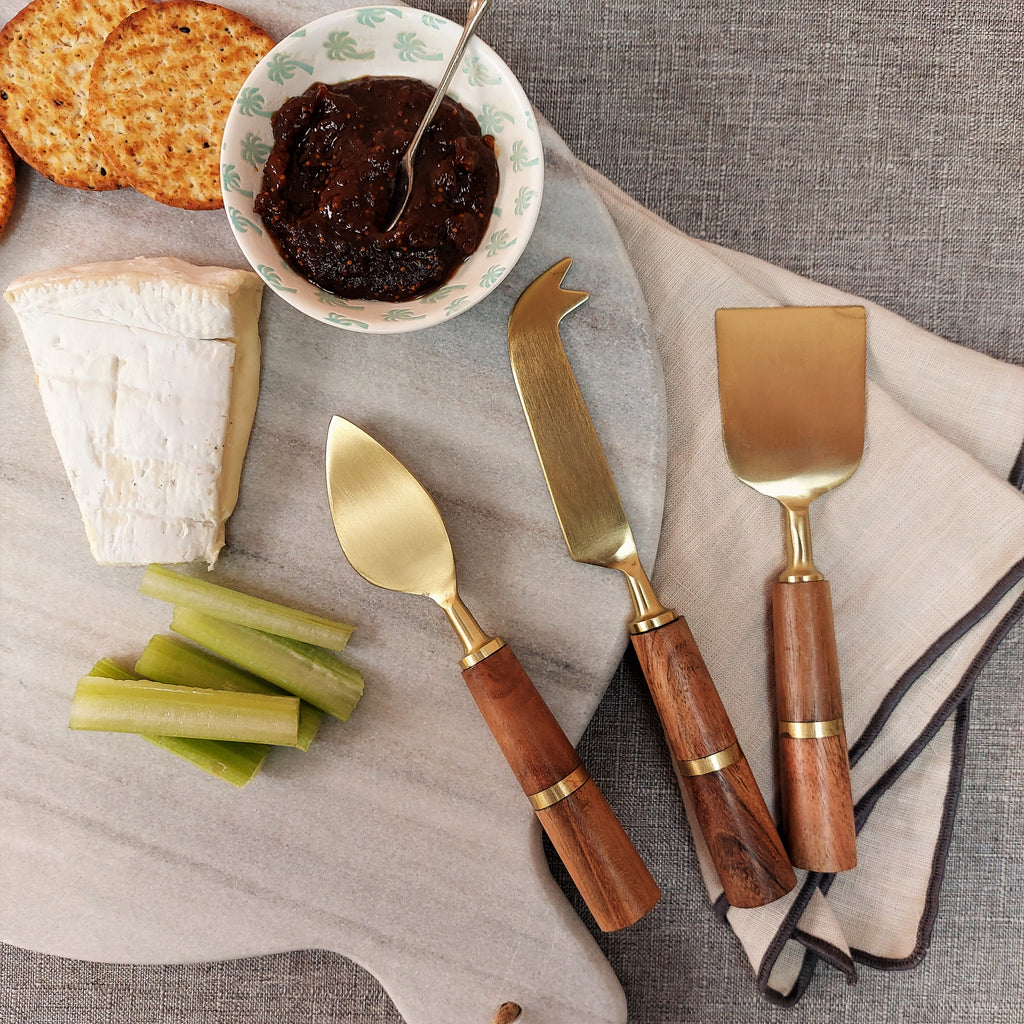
401	839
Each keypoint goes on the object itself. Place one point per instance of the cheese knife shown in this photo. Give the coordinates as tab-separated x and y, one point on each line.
741	836
791	381
393	535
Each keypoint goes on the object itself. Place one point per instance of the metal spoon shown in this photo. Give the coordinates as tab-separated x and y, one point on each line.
403	179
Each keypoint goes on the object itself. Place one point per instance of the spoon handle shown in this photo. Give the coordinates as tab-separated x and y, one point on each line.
476	12
600	858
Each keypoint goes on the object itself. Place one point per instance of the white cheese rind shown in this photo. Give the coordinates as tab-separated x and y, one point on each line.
149	374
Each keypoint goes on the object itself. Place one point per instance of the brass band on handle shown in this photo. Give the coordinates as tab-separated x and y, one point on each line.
560	790
712	763
811	730
653	621
481	652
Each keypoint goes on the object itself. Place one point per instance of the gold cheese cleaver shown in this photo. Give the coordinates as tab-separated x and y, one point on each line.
740	834
394	537
792	388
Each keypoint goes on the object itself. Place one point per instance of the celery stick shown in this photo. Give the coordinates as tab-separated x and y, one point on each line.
244	609
231	761
151	708
309	672
237	763
106	668
170	661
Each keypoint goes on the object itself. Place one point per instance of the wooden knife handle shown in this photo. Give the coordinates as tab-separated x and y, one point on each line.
600	858
730	810
814	769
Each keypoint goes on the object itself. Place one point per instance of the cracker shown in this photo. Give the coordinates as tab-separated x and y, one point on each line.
46	52
160	92
6	183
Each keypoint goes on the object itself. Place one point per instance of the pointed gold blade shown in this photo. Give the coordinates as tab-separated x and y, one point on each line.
387	524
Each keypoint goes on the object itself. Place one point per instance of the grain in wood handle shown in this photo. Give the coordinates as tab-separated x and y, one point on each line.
814	768
740	834
584	830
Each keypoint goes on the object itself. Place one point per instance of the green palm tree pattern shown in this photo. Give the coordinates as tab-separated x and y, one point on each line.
520	156
371	16
345	321
524	197
442	293
273	278
283	66
411	48
254	150
336	300
398	37
477	73
250	103
232	181
492	120
492	277
343	46
396	315
241	223
498	241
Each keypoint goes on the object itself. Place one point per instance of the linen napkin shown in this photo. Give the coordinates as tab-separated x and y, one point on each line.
924	551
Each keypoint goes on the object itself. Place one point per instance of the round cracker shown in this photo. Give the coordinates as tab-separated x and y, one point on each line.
160	92
6	183
46	52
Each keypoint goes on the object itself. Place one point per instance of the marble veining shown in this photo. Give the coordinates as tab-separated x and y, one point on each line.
401	838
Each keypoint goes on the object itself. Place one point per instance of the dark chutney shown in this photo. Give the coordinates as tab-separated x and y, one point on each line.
329	181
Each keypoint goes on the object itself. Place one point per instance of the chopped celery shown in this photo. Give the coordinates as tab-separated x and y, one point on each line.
244	609
170	661
236	763
229	760
151	708
309	672
107	668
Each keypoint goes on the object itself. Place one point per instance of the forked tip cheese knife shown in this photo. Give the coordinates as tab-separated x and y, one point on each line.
740	833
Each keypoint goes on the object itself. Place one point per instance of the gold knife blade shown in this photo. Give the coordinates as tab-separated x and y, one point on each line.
740	834
579	479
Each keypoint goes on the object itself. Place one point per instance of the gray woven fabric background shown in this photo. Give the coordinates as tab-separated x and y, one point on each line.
875	145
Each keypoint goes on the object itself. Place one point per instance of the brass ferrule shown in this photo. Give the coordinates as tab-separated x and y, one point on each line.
560	790
811	730
662	618
476	643
801	567
485	650
712	763
650	612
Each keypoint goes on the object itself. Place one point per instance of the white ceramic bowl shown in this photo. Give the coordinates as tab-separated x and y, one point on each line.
386	41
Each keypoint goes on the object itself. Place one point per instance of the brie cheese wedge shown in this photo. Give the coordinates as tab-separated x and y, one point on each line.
149	375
